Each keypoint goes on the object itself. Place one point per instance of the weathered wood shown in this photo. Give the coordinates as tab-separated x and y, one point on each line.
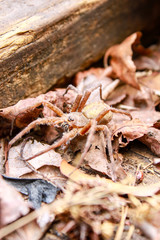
43	42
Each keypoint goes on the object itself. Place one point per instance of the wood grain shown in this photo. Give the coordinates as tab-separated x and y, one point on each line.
45	42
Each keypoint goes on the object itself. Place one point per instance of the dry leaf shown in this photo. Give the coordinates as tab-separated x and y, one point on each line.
146	99
120	58
151	80
152	140
12	205
148	117
96	157
98	73
19	115
130	131
150	61
17	167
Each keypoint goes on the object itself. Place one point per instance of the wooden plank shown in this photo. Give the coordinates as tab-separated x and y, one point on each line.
45	42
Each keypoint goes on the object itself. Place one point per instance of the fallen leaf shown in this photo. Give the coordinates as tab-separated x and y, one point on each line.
22	113
116	100
148	117
12	205
96	73
17	167
96	157
151	82
125	94
145	99
38	190
27	110
120	58
150	61
130	130
152	140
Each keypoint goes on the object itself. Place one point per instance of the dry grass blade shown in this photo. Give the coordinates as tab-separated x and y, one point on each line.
80	177
121	225
130	232
21	222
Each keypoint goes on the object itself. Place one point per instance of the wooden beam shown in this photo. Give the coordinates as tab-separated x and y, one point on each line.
45	42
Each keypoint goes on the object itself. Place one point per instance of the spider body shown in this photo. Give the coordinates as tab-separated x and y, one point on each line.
92	110
76	119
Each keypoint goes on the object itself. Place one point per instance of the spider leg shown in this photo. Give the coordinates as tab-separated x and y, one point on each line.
49	105
107	133
105	111
80	102
87	145
78	98
49	120
64	139
121	111
55	109
84	100
70	87
40	121
85	128
76	103
102	114
87	95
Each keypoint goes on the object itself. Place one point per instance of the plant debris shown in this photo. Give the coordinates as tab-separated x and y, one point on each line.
86	157
38	190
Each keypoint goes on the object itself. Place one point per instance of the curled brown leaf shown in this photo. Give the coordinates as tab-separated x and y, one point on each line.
120	58
151	61
130	130
152	140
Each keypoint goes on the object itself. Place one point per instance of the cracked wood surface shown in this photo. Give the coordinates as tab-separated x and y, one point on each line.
45	42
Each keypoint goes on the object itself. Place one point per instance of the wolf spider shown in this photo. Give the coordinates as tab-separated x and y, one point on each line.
82	119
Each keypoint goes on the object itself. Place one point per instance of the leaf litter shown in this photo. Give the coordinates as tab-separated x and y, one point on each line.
93	157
